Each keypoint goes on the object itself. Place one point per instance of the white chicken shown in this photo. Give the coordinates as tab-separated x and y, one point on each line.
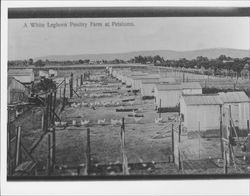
85	122
158	120
74	122
137	119
57	123
101	121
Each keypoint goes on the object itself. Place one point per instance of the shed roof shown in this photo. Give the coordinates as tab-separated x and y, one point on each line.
166	87
202	99
234	97
191	85
20	72
150	80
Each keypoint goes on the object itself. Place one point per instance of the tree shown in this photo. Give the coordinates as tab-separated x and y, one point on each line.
39	63
30	61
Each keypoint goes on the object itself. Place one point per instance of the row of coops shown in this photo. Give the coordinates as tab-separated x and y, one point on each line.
205	112
168	95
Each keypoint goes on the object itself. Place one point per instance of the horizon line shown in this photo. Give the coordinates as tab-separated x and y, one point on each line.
126	52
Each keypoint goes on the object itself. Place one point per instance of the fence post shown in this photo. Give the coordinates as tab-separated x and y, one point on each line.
248	130
173	157
9	149
18	146
71	85
221	135
88	152
124	157
225	162
49	156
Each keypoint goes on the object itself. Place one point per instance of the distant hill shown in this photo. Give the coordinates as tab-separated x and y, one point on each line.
166	54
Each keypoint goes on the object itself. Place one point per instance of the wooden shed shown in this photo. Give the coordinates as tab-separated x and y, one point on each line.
16	92
167	95
23	75
201	112
239	103
147	86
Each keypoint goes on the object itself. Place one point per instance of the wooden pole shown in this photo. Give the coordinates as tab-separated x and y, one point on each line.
64	91
88	152
49	156
199	140
179	139
248	130
124	158
8	150
221	141
230	135
71	85
160	110
172	142
225	163
18	145
81	80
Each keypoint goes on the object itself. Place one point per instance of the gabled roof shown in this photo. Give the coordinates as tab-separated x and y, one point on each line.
191	85
234	97
202	99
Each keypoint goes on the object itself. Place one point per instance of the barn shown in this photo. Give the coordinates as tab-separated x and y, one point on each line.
167	95
200	112
239	103
23	75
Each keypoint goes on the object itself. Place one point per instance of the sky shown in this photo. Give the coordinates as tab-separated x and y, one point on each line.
169	33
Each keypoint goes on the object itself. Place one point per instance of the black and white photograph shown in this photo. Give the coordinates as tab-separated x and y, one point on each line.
122	94
135	96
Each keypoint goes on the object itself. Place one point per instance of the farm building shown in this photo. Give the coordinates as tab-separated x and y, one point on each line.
240	107
147	87
167	95
22	75
43	74
170	93
52	73
137	80
201	112
17	92
190	88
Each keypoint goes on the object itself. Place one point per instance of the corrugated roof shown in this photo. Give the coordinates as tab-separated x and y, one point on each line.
234	97
164	87
191	85
202	99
